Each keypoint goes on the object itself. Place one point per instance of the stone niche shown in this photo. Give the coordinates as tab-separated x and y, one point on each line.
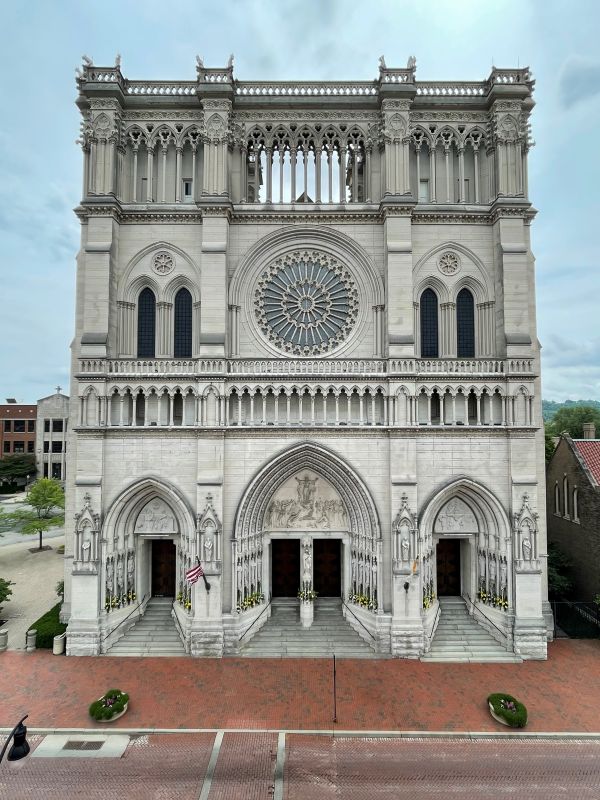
306	502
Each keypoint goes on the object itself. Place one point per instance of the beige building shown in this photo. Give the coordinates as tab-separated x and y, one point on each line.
306	355
51	435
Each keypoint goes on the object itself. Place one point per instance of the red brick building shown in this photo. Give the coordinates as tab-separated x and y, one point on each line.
573	508
17	429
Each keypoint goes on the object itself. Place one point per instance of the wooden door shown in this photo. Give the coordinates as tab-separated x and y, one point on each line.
327	576
448	567
285	567
163	568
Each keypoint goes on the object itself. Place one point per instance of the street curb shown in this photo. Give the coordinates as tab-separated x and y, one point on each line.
337	733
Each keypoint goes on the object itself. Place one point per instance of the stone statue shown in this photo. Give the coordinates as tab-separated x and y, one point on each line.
86	547
87	61
411	63
120	574
109	576
208	548
503	575
118	61
130	569
404	547
382	64
199	62
482	565
492	569
306	560
526	549
230	62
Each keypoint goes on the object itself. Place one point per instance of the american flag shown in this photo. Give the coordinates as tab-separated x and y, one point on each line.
194	573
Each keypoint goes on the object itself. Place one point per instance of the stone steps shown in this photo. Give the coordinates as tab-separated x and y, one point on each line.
284	637
460	638
154	635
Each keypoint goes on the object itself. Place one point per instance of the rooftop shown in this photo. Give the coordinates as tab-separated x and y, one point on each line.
589	450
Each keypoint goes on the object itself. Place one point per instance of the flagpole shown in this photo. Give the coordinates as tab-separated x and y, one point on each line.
206	583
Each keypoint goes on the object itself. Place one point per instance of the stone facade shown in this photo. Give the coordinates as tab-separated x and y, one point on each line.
573	511
305	310
51	435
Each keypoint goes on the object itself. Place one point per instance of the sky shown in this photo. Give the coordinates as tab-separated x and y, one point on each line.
40	164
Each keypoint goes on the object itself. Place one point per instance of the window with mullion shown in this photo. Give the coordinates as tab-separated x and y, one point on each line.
182	346
146	324
465	324
429	324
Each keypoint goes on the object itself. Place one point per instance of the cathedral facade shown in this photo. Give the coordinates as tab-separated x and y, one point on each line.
306	358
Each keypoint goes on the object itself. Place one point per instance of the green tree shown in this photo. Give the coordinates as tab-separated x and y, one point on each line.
45	500
571	419
548	442
559	583
5	590
17	468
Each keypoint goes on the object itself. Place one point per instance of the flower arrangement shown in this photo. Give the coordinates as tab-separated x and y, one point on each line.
306	594
507	710
500	601
364	601
119	600
184	597
111	704
428	595
250	601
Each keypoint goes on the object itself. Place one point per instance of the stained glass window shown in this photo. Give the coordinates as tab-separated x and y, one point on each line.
146	324
465	324
429	324
183	324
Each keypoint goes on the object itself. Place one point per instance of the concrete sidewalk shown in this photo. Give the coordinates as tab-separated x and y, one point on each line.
561	694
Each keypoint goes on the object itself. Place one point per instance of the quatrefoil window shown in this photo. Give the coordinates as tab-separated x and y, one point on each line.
163	263
306	303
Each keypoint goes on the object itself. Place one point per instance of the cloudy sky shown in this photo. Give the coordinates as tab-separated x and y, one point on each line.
40	166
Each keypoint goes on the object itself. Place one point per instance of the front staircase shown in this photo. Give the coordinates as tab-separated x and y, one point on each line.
284	637
154	635
459	637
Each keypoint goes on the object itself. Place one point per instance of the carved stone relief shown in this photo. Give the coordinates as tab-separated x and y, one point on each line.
156	517
456	517
307	502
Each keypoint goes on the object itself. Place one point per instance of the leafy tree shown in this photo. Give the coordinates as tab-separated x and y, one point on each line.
572	418
5	590
17	468
548	442
45	500
559	584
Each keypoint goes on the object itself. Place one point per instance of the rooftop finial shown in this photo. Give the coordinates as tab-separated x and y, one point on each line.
118	61
411	63
382	64
230	62
87	60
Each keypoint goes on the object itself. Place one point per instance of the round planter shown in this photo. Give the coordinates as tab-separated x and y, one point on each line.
114	717
496	717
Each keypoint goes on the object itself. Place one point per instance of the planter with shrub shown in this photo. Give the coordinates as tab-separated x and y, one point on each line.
48	627
110	706
507	710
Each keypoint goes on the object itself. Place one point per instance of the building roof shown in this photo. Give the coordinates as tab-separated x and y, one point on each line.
589	451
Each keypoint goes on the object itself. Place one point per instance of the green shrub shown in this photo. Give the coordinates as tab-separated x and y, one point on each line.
111	703
48	627
509	709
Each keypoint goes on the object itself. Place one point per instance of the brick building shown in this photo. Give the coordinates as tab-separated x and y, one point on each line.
17	428
573	508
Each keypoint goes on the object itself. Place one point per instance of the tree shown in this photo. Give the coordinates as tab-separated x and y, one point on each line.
559	584
571	420
5	590
45	498
17	468
549	446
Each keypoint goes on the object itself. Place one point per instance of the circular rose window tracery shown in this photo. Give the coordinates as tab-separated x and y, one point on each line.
306	303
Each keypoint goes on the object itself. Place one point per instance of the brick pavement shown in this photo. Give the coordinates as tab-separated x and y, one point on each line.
562	694
175	767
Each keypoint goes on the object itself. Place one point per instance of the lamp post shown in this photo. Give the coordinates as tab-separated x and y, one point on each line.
20	747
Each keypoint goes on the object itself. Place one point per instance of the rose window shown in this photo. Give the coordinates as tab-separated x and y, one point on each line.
163	263
449	263
306	303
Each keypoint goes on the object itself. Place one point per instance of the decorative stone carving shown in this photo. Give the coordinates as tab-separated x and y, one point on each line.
156	517
525	530
306	502
163	263
306	303
456	517
404	527
307	560
209	533
87	527
449	263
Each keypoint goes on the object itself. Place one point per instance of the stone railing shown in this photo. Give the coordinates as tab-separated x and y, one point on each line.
451	89
161	88
305	89
306	367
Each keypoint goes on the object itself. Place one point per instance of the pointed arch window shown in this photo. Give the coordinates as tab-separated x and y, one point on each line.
146	328
465	324
182	345
429	324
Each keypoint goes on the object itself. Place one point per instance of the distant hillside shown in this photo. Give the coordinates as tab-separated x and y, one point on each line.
550	407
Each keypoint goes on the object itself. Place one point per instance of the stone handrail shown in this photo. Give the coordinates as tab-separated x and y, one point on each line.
162	88
452	89
317	367
305	89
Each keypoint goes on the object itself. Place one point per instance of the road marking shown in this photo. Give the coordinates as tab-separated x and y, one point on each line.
279	765
210	770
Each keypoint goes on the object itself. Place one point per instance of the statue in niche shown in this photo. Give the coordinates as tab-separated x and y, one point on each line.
130	569
120	575
492	570
482	565
306	559
503	576
109	576
85	552
404	548
209	541
526	546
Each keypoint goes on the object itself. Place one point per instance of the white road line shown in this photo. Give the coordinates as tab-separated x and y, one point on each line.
279	765
210	770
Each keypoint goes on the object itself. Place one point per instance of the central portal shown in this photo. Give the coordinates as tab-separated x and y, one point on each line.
285	567
448	567
327	578
163	568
